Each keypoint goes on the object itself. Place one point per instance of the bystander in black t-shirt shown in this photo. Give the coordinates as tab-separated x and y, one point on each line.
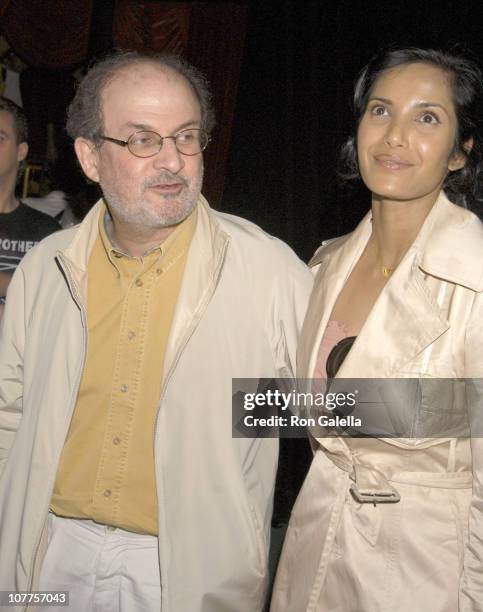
20	230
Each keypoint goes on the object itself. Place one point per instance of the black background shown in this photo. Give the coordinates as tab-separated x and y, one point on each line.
294	104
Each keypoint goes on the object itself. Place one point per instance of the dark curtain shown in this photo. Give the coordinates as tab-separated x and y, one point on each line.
50	34
294	104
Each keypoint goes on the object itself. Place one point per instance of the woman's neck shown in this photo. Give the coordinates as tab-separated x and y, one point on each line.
395	225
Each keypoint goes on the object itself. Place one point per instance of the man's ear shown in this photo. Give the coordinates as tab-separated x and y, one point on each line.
88	157
458	160
22	151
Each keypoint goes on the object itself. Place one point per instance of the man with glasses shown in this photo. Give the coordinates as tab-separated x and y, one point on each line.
121	481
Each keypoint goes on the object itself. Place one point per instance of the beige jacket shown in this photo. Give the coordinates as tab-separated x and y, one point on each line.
240	307
424	553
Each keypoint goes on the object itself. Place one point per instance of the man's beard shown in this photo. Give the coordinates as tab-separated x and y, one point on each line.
171	209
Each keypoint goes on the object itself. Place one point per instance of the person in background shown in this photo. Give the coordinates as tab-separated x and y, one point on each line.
10	68
397	523
21	227
116	368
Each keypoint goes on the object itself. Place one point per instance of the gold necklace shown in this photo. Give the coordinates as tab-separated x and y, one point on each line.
386	271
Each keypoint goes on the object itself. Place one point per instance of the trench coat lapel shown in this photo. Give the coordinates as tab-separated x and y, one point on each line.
334	267
404	322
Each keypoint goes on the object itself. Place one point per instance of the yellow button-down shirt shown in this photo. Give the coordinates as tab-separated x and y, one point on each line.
106	471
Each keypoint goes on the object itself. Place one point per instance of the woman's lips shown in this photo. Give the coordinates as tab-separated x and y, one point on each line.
392	162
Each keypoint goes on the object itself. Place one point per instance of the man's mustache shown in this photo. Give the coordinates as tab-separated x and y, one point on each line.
164	178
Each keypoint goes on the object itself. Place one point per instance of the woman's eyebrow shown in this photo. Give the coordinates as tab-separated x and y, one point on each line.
379	99
425	104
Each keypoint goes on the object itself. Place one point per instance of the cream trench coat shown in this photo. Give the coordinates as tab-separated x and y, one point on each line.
425	553
238	314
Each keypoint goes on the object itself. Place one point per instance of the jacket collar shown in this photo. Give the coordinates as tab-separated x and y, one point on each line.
449	245
204	264
406	318
78	251
202	270
74	258
335	259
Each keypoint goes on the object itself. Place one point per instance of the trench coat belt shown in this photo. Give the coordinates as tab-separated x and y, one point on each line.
371	485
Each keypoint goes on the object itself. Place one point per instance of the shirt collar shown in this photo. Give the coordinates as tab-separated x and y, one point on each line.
170	249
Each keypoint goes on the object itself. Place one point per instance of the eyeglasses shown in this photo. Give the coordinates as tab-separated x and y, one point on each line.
146	144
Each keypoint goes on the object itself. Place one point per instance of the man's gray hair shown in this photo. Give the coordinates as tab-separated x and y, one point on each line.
84	115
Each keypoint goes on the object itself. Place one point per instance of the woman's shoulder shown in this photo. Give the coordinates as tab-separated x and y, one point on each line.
349	242
326	247
453	249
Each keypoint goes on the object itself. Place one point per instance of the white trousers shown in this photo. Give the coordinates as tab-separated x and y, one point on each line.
103	568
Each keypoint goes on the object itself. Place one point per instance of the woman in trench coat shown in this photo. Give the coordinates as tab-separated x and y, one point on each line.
396	523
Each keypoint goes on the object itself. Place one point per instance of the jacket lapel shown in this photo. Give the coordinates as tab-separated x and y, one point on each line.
406	318
404	322
75	257
334	264
202	271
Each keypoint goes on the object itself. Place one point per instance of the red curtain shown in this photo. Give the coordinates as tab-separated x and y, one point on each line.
49	34
3	6
148	26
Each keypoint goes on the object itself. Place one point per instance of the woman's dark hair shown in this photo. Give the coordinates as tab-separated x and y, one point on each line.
461	186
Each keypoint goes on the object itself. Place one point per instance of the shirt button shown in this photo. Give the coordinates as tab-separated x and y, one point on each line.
116	440
139	282
159	271
131	335
107	493
124	388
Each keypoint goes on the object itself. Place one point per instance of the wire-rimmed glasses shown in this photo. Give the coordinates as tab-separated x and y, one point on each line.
146	143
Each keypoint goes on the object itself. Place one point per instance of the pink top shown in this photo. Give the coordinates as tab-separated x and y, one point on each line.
334	333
